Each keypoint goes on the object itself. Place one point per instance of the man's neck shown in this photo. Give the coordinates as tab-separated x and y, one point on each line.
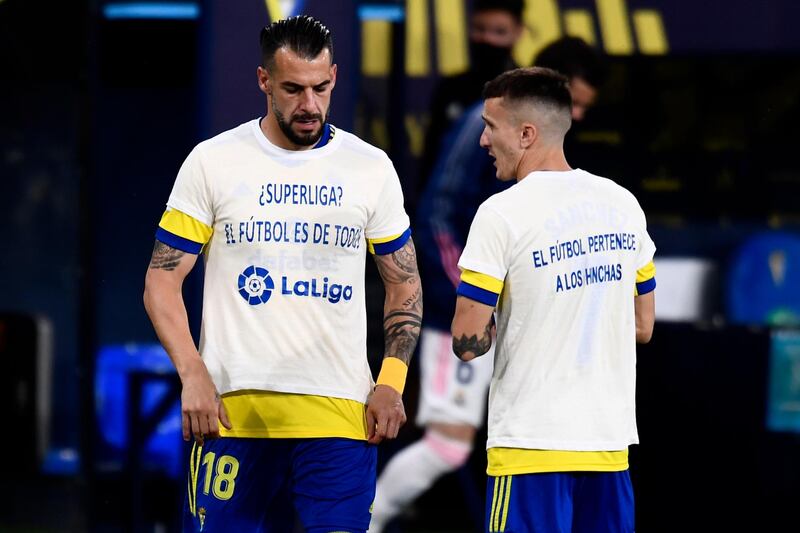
271	130
552	159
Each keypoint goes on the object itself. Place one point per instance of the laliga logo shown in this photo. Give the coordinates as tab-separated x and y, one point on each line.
255	285
333	292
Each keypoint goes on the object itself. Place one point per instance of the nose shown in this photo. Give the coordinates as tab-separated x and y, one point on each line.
307	102
484	142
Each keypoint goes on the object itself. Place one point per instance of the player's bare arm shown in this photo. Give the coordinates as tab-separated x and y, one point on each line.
200	405
471	328
401	326
403	306
645	309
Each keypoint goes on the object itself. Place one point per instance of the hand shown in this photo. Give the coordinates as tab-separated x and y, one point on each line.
385	414
201	406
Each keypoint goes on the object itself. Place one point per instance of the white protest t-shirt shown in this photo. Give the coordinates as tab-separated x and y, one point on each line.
567	246
283	302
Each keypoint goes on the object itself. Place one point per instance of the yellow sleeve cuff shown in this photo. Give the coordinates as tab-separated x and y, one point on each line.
482	281
183	225
393	373
646	272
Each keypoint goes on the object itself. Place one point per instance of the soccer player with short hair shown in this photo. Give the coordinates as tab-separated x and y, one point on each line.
565	259
284	209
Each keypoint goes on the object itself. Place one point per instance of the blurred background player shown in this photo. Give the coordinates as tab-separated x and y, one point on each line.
452	392
495	26
584	67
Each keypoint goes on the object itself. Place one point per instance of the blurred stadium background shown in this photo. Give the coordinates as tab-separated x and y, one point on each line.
100	102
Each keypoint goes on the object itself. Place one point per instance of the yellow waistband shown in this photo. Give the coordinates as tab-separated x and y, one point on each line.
268	414
512	461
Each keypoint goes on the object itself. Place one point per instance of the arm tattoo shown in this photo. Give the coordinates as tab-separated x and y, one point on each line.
165	257
399	266
401	331
401	323
474	344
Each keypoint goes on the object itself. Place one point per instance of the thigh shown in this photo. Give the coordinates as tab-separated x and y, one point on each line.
451	391
333	483
604	503
239	485
529	503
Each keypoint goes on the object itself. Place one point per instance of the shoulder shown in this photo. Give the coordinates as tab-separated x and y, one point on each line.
497	206
618	194
501	201
354	146
611	187
238	136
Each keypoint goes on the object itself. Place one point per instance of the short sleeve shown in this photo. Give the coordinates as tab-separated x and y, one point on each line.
645	268
488	245
646	250
388	225
180	231
191	193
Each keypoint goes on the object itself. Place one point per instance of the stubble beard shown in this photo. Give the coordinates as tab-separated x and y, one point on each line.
309	139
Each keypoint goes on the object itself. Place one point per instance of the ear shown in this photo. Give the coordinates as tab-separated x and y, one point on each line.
264	82
334	70
528	135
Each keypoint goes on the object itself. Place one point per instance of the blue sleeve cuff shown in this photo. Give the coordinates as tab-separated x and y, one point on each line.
384	248
179	243
646	286
476	293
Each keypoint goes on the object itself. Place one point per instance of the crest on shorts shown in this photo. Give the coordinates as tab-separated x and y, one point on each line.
201	514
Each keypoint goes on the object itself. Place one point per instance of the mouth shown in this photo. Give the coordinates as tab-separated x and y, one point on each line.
307	123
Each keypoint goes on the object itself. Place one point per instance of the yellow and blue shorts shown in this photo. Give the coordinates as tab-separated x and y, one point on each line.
579	502
260	484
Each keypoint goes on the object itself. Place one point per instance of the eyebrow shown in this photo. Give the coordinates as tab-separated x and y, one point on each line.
486	120
293	85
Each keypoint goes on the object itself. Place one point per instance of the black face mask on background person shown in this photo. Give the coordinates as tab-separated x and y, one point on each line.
488	60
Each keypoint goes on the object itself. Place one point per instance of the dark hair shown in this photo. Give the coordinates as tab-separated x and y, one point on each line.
572	57
303	35
541	85
514	7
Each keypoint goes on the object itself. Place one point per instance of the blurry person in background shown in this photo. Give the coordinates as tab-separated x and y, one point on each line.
495	26
584	67
457	176
452	396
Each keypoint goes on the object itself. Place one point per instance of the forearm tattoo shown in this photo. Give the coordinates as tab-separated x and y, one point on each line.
473	344
165	257
401	325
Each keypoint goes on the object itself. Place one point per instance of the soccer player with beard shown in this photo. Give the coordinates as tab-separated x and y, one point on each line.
279	397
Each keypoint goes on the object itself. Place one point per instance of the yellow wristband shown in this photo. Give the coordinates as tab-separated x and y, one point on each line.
393	373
